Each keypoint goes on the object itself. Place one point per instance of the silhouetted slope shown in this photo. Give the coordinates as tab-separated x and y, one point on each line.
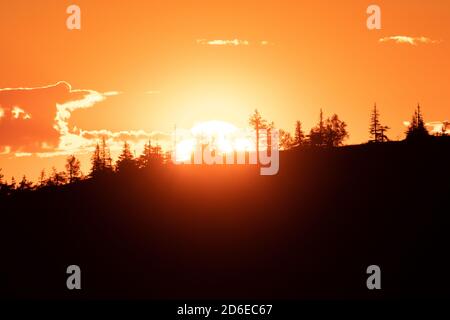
216	232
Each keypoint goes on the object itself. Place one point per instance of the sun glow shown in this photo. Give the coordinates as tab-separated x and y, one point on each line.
223	137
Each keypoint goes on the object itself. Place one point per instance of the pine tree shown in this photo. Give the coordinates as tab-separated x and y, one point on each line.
96	162
25	185
101	161
105	156
270	127
126	159
146	156
41	179
257	123
152	155
13	184
317	134
4	189
299	137
376	130
417	129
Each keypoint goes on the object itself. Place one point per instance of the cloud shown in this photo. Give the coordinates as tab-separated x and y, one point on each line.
28	116
438	127
409	40
36	121
434	127
232	42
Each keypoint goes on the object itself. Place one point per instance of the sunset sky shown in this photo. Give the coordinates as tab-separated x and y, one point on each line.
137	68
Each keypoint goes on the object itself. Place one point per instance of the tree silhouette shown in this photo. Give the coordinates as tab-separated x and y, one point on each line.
3	186
299	138
383	136
445	125
270	127
73	169
96	162
126	160
152	155
335	131
286	141
376	130
101	160
57	178
25	185
416	129
105	156
41	180
13	184
317	134
257	123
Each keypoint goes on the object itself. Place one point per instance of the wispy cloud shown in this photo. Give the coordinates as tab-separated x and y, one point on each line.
414	41
231	42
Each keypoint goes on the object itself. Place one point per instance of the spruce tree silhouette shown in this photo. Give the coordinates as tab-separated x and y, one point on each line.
299	137
317	134
151	156
417	130
3	186
376	129
101	161
257	123
126	161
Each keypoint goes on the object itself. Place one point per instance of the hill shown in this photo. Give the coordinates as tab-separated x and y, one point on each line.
226	232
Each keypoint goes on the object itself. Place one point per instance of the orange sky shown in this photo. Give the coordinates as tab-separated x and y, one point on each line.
153	60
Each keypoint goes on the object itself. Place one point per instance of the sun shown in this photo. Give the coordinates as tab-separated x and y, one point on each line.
222	136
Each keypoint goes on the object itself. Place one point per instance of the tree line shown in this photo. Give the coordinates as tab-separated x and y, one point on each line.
101	165
327	133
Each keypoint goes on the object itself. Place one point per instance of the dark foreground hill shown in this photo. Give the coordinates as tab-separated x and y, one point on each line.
215	232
